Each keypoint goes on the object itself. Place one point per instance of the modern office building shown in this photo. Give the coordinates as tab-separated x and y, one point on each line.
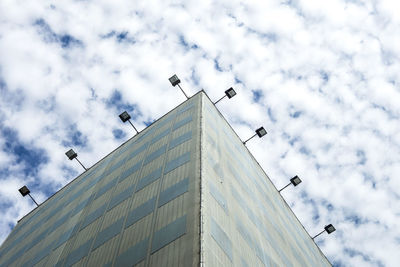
183	192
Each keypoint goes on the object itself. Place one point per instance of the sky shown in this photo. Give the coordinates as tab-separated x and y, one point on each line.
322	77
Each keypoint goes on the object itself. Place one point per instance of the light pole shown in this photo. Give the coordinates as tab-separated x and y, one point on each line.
25	191
328	228
174	80
228	93
260	132
71	154
124	116
294	181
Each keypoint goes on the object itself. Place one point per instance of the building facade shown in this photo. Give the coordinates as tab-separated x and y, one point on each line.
183	192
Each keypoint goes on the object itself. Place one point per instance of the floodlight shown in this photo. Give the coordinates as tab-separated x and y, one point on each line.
174	80
71	154
260	132
228	93
124	116
328	228
294	181
25	191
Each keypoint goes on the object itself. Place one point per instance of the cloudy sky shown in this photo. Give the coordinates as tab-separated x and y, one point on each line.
323	77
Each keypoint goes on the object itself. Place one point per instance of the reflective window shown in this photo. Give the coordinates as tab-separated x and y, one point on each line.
78	253
182	122
140	212
152	156
221	238
180	140
173	192
133	255
121	197
175	163
168	234
160	135
218	197
148	179
93	216
108	233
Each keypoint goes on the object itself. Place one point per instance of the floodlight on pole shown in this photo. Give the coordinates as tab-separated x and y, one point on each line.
174	80
328	228
260	132
25	191
71	154
124	116
294	181
228	93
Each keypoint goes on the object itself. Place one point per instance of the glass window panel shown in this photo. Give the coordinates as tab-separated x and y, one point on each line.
121	197
175	163
188	106
130	171
64	237
180	140
148	179
78	253
140	212
221	238
168	234
59	222
182	122
218	197
108	233
160	135
155	154
137	151
172	192
93	216
107	187
133	255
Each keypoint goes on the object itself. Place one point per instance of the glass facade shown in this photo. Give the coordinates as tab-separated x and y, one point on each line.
135	206
183	192
245	221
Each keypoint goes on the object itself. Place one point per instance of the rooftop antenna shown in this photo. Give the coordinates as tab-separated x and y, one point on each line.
124	116
260	132
228	93
174	80
294	181
25	191
71	154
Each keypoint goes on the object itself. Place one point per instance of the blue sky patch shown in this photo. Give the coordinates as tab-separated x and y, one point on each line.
295	114
217	66
117	102
118	134
257	95
271	116
49	36
30	158
75	137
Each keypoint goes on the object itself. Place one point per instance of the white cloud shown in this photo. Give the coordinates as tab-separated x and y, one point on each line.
327	71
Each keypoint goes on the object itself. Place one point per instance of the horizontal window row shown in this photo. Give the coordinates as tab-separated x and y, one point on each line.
218	197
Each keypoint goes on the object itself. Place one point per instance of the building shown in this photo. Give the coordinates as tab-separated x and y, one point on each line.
183	192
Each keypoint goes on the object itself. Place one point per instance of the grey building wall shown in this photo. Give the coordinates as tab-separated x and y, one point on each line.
136	206
245	221
183	192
